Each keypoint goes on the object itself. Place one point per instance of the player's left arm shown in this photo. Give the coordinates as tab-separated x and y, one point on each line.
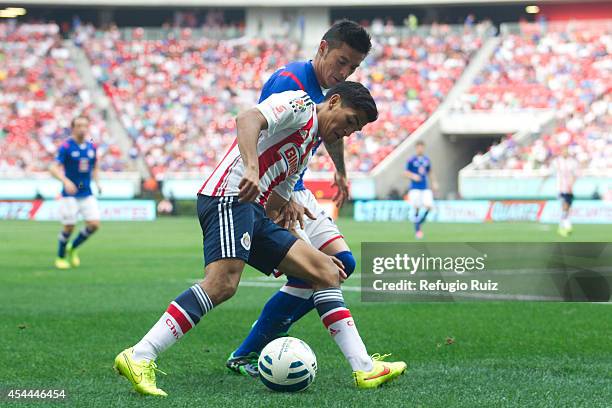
95	174
336	152
434	181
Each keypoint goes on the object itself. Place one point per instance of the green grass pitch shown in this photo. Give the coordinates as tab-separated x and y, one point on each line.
62	329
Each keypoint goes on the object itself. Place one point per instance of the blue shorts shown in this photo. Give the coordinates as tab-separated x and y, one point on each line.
567	198
234	230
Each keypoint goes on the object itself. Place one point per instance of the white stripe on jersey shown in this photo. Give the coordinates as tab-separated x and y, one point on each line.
283	149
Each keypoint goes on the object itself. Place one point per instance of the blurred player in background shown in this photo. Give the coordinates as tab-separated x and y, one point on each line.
341	50
418	169
566	168
74	167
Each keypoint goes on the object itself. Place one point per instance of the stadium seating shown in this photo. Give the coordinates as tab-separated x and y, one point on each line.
565	67
178	96
40	92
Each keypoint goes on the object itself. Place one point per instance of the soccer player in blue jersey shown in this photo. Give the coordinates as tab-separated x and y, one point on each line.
418	169
74	167
341	50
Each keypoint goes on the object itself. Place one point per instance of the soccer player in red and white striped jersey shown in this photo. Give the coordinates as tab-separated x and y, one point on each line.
274	144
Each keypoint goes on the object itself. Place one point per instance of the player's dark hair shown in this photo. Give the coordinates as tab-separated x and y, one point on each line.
420	143
355	96
73	121
350	33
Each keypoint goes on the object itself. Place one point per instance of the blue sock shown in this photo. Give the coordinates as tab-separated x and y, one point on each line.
417	225
348	260
282	310
275	318
83	235
62	239
422	220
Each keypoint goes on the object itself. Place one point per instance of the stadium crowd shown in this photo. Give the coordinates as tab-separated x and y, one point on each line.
563	67
40	92
177	97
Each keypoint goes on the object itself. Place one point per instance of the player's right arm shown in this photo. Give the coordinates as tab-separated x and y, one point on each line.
57	171
249	125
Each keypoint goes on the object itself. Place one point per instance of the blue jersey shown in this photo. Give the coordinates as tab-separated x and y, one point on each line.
295	76
78	161
420	165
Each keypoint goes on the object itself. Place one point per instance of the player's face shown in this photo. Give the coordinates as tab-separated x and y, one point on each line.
340	121
79	130
337	64
420	149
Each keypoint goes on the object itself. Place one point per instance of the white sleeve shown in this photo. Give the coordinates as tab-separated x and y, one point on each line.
286	110
285	188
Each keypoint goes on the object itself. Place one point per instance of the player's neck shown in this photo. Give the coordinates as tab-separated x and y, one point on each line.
79	140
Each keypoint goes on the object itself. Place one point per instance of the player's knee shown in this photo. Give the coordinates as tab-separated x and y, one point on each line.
225	291
327	273
348	260
68	229
221	280
93	227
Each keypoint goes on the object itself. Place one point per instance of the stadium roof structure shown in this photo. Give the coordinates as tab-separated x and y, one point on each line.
269	3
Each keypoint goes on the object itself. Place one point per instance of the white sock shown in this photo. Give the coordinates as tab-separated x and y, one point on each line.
181	316
162	335
340	324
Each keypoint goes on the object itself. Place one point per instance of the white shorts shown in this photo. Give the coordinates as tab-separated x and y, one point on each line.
322	231
420	198
71	207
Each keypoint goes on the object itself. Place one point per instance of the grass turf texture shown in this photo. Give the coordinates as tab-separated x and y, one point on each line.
62	329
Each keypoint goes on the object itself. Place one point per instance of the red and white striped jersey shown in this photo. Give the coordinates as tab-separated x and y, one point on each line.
567	169
283	149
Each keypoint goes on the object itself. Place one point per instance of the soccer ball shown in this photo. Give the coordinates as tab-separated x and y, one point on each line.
287	364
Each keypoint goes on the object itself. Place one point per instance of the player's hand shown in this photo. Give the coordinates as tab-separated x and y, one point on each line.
70	187
342	194
292	212
417	178
249	186
340	266
99	189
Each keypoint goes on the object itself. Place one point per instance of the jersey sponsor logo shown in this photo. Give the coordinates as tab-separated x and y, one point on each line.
245	241
170	324
90	153
292	157
75	153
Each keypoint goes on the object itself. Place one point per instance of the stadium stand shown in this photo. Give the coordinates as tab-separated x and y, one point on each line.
565	67
178	96
40	92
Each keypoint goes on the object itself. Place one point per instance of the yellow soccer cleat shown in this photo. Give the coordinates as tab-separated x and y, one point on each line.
381	373
61	263
140	373
73	256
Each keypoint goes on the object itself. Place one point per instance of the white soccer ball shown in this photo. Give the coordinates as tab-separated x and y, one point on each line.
287	364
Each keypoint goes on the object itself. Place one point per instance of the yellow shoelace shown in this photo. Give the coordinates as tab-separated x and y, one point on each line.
379	357
150	374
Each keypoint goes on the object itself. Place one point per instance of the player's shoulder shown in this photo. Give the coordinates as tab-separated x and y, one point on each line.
296	67
66	144
296	71
293	97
